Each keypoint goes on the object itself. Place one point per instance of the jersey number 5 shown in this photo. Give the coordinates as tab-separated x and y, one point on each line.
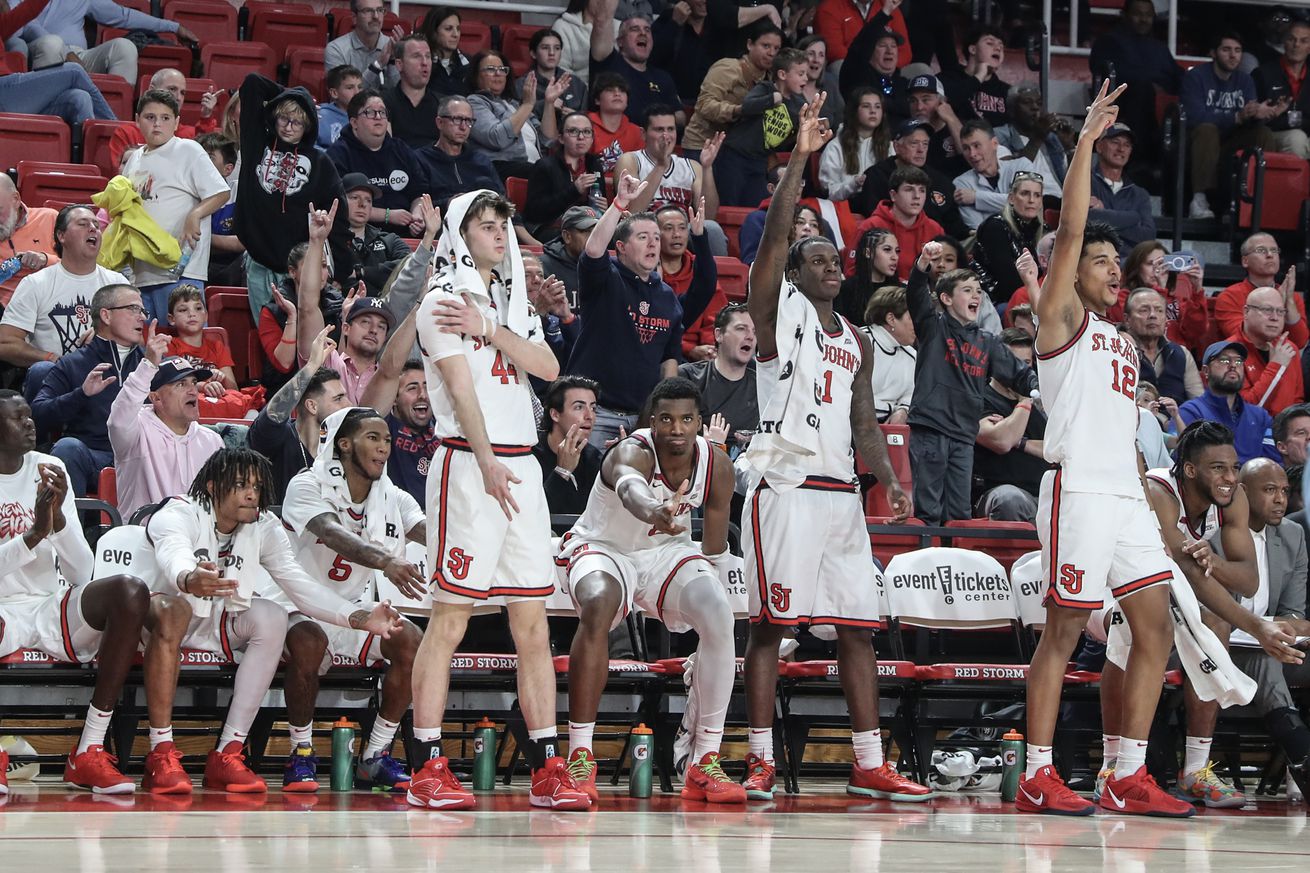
1125	380
340	570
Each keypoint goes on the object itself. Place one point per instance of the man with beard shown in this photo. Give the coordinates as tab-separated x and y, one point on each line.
26	233
1224	364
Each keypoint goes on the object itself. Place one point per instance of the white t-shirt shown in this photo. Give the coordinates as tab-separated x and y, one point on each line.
54	306
172	180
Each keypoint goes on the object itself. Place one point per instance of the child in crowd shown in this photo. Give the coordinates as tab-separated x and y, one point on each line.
225	249
768	125
187	315
343	83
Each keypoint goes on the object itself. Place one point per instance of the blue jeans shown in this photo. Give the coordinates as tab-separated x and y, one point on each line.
65	91
83	463
607	425
155	298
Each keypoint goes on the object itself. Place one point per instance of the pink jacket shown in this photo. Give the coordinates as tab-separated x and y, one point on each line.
152	462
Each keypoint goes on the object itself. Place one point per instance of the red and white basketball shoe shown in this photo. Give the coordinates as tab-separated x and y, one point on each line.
759	780
582	767
226	770
1047	793
433	786
1140	794
706	781
886	784
164	773
553	787
96	770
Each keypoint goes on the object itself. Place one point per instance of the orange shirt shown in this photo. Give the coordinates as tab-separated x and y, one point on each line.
37	234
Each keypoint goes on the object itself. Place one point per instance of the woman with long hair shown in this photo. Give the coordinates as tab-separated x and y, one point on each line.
876	260
1187	320
864	140
891	330
503	125
450	67
544	46
821	80
1003	237
568	176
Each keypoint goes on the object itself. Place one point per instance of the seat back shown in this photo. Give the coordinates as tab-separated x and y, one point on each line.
733	275
107	486
730	218
32	137
117	93
68	169
210	22
949	588
281	29
897	437
228	63
96	134
305	68
1285	184
888	545
1005	549
517	191
196	88
232	312
514	39
153	58
474	36
40	187
1029	587
126	550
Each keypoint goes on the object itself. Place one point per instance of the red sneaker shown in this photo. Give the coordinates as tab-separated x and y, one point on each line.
1140	794
706	781
96	770
759	778
4	769
433	786
886	784
164	773
582	767
226	770
1047	793
553	787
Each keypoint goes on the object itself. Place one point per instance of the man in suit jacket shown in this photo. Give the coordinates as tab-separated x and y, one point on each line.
1281	557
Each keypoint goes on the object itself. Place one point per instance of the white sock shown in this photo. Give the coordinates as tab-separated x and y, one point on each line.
1197	754
761	743
868	749
580	735
159	736
427	735
93	733
231	735
1132	757
1109	749
302	735
381	738
707	742
1037	757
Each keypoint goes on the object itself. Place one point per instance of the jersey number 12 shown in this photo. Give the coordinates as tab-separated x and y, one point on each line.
1125	380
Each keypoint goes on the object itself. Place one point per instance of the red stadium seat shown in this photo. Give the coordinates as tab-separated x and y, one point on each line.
232	313
732	278
154	58
211	290
210	22
730	218
1286	185
107	487
1005	549
514	43
195	90
32	137
26	167
117	93
281	29
39	187
887	545
517	191
898	451
228	63
96	134
305	67
474	36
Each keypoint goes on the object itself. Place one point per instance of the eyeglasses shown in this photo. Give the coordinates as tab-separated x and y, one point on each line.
134	308
287	121
1268	310
579	132
496	70
1028	176
460	120
381	10
373	113
1227	362
1265	250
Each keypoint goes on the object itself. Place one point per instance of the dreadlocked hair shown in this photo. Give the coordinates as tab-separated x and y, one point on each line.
1196	438
224	469
351	422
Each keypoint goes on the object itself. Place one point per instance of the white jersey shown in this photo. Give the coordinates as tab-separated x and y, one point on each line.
835	459
354	582
1205	528
61	556
677	184
606	521
503	392
1089	389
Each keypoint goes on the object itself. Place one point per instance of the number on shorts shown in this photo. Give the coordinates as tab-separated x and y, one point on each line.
1125	381
340	570
504	370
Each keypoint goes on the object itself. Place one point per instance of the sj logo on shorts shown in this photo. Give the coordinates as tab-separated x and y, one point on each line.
780	597
1071	578
458	564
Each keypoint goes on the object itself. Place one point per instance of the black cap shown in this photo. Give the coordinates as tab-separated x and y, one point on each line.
373	306
1117	129
888	32
358	181
1214	350
905	128
174	369
926	83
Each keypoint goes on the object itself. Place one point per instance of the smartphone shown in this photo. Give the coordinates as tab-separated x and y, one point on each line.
1181	262
1276	93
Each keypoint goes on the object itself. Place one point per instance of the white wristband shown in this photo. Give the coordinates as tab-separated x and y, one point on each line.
488	327
618	486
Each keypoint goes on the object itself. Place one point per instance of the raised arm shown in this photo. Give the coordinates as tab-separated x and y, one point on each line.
309	284
625	191
381	391
869	441
278	409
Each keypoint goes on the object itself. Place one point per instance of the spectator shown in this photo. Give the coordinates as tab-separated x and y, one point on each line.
1158	426
729	26
891	330
1187	318
1283	79
559	257
840	22
956	361
1133	56
551	301
574	29
1291	432
821	81
450	164
59	32
366	48
613	133
1007	458
1224	116
718	105
365	148
927	98
680	46
677	269
979	191
1021	316
977	91
411	105
180	190
877	263
766	125
76	394
503	125
569	463
1166	365
628	54
451	70
26	233
872	64
1224	363
545	47
187	315
863	140
989	320
129	136
51	308
911	142
726	379
278	323
903	215
1260	259
377	253
1002	238
281	175
66	91
342	84
1041	137
807	221
1116	201
158	448
568	176
1273	371
225	249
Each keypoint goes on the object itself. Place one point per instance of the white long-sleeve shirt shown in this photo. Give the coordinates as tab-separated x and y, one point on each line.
832	167
989	198
26	573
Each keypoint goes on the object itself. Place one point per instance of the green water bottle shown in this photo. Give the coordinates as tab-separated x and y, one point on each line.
1013	761
484	755
343	755
643	748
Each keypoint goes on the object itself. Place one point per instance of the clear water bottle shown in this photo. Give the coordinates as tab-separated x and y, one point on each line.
10	267
187	251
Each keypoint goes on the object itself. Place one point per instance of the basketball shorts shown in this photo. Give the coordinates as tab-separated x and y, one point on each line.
346	646
1094	544
50	623
649	576
474	551
808	558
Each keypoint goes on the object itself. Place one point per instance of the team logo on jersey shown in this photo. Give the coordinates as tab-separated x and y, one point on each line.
15	520
458	564
644	307
423	464
780	597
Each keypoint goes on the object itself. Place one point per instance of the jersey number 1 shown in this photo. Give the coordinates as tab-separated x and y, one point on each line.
1125	381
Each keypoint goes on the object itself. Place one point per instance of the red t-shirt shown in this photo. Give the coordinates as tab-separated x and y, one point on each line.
610	144
212	353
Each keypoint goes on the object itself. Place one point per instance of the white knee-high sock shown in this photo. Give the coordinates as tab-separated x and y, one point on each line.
703	604
259	632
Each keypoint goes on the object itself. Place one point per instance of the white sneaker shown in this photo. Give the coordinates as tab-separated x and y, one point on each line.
1200	207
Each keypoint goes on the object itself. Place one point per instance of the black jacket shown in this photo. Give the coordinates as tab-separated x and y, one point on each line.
856	71
939	206
450	175
562	496
953	365
60	404
1266	77
556	261
551	191
995	250
393	168
376	255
